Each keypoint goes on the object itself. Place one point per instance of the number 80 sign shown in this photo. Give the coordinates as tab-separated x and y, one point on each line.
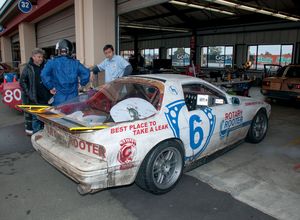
11	95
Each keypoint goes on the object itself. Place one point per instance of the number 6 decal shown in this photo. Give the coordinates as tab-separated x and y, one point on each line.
196	133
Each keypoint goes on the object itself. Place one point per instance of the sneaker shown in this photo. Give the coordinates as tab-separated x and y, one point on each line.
28	132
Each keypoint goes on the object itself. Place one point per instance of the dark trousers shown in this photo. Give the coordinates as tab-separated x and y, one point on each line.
28	121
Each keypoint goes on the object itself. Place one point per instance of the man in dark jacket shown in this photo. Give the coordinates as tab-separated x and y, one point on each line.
61	75
34	92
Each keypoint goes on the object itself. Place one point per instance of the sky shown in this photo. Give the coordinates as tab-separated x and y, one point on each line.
2	2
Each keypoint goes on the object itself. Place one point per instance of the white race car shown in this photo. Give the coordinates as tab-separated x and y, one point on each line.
145	129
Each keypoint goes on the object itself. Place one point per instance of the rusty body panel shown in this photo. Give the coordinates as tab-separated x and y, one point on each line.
285	85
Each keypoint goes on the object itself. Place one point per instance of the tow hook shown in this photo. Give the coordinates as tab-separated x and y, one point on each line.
83	189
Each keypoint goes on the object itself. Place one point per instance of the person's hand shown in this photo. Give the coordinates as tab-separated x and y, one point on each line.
92	77
53	91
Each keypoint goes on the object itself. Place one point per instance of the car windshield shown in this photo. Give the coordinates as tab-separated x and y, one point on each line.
121	100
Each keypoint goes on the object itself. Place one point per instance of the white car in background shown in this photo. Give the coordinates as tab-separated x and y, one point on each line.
145	129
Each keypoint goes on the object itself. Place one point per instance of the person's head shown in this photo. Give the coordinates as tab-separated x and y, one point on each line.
64	47
38	56
108	51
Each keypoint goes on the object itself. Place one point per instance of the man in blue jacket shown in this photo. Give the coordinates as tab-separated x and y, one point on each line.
61	74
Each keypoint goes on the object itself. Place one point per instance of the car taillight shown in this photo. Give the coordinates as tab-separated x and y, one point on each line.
266	83
297	86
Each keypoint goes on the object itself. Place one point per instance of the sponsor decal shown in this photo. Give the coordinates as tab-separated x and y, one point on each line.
127	153
140	128
254	103
173	90
201	126
73	142
172	114
232	121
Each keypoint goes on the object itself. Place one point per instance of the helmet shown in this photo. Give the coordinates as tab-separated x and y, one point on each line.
64	47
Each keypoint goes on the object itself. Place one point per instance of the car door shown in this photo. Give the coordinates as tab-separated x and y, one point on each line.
205	118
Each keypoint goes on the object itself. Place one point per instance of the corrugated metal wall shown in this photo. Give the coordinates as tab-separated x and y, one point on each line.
267	37
238	40
55	27
157	43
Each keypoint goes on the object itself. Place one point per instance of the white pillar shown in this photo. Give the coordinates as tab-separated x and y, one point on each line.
95	27
6	53
27	40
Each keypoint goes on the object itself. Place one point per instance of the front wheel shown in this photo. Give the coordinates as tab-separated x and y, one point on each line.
259	127
162	168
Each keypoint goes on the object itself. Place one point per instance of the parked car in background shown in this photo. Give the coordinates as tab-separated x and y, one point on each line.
285	84
5	68
145	129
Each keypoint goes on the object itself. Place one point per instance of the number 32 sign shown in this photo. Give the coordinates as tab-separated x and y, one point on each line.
25	6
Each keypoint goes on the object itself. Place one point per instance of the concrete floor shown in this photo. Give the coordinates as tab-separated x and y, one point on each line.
265	175
245	183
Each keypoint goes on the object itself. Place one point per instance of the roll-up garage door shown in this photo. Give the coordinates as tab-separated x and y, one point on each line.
55	27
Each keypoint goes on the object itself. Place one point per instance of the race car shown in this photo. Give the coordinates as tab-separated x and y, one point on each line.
285	84
146	129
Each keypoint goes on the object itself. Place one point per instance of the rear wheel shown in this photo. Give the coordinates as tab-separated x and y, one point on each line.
259	127
162	168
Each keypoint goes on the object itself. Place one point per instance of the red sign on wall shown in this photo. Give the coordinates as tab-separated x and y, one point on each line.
11	94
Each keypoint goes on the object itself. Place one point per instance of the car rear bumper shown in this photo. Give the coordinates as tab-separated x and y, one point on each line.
91	173
281	94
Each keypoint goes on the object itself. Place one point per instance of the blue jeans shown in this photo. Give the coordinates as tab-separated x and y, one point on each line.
36	124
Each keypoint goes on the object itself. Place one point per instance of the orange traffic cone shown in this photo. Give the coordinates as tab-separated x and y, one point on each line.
14	80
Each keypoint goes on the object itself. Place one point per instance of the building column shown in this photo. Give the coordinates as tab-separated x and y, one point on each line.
95	27
6	49
27	40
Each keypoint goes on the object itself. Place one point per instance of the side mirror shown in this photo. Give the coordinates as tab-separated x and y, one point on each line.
235	101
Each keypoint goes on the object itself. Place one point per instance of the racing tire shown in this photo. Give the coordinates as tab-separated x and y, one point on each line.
162	168
258	128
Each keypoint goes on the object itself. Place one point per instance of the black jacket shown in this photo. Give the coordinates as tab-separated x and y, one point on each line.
29	85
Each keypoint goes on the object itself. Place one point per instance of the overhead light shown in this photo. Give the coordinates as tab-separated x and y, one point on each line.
152	27
200	7
255	9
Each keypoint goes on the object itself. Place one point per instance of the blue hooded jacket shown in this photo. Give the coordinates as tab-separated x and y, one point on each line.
62	73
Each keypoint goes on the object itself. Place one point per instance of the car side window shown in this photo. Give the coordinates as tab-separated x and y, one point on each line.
191	92
293	72
280	71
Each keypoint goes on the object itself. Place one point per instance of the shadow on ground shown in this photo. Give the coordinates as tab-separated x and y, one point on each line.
190	199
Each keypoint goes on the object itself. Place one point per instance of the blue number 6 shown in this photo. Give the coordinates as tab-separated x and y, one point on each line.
194	131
